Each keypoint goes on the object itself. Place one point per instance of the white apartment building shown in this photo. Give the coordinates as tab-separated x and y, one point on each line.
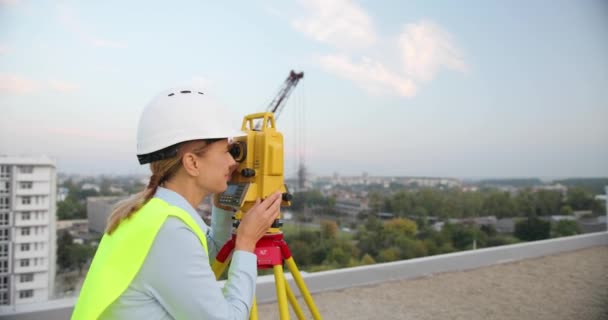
27	230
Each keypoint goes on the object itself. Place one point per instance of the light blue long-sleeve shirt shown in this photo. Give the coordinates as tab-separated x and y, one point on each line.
176	280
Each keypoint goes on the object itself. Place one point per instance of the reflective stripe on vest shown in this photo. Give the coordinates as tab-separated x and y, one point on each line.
121	254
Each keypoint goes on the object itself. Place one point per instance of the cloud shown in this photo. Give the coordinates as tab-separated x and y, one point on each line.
368	74
425	48
340	23
15	84
63	86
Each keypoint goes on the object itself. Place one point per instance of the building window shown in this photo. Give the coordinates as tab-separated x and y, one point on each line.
4	282
3	266
4	250
26	200
26	169
24	262
4	234
25	231
5	187
25	215
4	219
5	202
26	184
26	293
28	277
25	247
3	298
5	171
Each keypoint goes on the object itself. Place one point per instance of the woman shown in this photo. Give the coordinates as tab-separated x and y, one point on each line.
154	259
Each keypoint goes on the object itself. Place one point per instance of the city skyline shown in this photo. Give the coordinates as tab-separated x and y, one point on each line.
473	90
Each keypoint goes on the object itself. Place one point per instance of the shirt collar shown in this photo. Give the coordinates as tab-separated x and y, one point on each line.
175	199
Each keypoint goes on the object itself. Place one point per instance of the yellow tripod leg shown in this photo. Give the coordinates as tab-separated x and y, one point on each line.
293	300
219	267
279	280
291	265
253	315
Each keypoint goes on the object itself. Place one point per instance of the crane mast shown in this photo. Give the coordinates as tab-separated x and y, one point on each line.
277	104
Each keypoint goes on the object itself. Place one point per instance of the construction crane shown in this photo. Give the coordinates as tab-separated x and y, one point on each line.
277	105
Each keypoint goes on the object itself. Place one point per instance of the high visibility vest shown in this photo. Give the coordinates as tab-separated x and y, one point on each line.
121	254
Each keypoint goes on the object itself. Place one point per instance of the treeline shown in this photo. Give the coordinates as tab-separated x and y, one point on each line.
383	241
454	203
594	185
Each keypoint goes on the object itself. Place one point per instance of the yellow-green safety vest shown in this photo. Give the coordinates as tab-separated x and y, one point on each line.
121	254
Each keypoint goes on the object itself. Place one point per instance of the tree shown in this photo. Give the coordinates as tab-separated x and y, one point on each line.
525	203
566	210
565	228
376	202
532	229
401	203
367	259
302	252
329	230
548	202
64	241
80	254
598	207
71	209
400	226
389	254
499	204
579	198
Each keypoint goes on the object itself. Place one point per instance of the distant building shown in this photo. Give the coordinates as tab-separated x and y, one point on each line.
27	230
385	215
554	187
99	210
77	226
91	186
505	225
350	206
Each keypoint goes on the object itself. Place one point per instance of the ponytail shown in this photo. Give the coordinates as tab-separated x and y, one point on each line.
162	170
127	207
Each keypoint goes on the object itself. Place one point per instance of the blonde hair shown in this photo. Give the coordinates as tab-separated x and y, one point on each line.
162	170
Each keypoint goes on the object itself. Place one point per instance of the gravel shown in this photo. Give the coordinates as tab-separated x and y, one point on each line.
571	285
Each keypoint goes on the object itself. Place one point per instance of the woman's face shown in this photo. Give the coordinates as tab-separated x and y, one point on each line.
216	167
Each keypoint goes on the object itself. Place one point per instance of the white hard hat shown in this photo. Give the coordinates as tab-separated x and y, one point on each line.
179	115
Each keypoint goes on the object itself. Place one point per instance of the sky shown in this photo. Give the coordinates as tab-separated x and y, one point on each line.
392	88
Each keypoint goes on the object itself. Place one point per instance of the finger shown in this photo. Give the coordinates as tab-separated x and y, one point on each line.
273	208
255	205
268	202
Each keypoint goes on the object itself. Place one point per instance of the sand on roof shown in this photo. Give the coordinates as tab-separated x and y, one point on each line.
572	285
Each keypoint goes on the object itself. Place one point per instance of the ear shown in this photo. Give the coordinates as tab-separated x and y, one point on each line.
191	164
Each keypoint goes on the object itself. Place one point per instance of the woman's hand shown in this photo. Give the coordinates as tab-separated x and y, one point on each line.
256	222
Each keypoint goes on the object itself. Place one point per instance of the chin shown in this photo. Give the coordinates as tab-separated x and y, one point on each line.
222	188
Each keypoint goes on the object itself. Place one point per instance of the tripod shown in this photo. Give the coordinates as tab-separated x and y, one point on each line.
271	251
